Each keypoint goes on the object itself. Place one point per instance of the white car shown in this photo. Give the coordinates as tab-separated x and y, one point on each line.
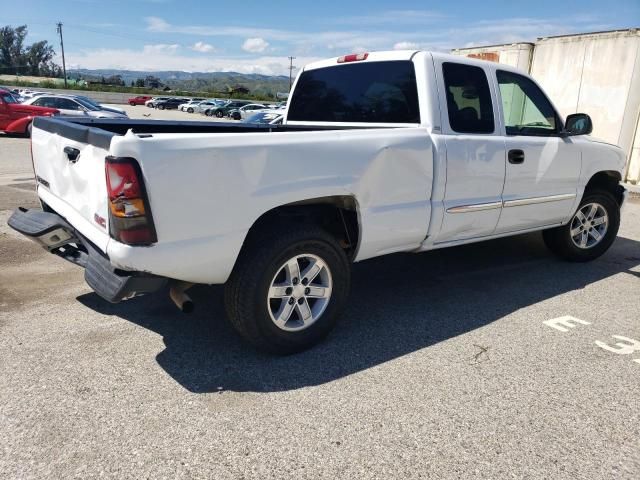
267	116
191	105
247	110
72	106
403	151
151	103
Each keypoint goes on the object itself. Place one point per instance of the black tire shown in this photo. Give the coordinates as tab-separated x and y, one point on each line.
559	241
208	113
189	110
133	104
160	107
246	292
219	113
27	130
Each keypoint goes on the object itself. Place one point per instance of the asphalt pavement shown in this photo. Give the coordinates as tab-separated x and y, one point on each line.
493	360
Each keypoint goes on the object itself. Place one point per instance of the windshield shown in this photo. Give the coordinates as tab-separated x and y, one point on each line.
375	92
8	98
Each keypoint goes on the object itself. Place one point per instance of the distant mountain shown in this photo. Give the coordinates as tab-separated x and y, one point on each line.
196	81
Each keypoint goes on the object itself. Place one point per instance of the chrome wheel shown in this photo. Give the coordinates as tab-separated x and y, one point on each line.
299	292
589	225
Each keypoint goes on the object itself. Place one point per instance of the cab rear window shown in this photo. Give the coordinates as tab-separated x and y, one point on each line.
375	92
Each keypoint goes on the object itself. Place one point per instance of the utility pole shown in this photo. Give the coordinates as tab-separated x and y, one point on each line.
64	66
291	67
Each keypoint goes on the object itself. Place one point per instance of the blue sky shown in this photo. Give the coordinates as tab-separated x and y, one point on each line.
257	37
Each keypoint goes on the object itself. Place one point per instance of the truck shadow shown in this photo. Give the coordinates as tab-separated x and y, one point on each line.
399	304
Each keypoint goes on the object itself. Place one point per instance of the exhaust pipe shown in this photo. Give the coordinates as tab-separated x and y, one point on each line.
180	298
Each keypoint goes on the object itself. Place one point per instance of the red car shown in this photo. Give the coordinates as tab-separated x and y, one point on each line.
17	118
139	100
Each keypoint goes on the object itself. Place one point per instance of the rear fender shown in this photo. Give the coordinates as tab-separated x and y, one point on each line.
19	125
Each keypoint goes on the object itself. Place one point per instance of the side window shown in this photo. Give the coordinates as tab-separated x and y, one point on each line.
41	102
66	104
527	111
468	98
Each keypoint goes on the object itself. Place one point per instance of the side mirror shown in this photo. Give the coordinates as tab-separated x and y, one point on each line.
578	124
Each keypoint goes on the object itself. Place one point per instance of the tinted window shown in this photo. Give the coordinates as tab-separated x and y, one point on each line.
527	111
468	98
45	102
8	98
66	104
377	92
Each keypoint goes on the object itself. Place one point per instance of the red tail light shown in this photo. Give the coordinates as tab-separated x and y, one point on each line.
354	57
130	219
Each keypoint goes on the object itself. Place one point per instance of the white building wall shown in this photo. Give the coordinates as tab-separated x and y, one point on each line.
516	55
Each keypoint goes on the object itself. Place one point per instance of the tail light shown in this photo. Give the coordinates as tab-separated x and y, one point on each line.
130	219
354	57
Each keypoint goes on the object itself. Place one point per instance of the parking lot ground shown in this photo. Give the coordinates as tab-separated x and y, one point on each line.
458	363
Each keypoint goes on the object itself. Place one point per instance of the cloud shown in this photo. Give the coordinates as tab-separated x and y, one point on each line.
202	47
406	17
160	49
255	45
406	46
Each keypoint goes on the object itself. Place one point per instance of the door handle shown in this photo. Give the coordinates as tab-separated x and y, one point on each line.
72	154
516	156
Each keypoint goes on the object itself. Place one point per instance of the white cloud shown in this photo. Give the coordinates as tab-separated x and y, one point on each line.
255	45
202	47
160	49
406	46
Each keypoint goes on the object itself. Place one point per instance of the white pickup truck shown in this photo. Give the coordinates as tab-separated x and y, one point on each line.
378	153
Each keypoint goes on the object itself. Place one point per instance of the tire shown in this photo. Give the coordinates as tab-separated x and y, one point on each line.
189	110
160	107
133	104
265	260
585	246
28	129
219	113
208	113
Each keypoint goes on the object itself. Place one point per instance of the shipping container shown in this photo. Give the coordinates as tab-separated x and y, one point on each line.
516	55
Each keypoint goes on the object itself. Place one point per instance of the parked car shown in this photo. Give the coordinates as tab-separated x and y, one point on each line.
243	112
209	104
169	104
70	105
152	102
222	110
271	117
95	104
139	100
378	153
15	117
191	105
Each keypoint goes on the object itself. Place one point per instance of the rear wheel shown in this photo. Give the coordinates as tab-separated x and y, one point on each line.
208	113
189	110
288	288
219	113
133	104
591	230
160	107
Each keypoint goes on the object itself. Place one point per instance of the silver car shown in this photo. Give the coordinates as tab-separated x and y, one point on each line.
72	105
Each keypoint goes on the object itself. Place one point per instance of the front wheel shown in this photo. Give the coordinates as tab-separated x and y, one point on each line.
219	114
591	230
288	288
189	110
160	107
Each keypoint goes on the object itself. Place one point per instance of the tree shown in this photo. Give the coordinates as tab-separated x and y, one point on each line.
140	82
16	58
38	56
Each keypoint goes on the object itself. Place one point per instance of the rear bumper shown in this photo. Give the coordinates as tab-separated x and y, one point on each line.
57	236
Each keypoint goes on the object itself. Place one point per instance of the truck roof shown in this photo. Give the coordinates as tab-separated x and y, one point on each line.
401	55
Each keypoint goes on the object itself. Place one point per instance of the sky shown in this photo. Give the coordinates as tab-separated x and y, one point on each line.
259	36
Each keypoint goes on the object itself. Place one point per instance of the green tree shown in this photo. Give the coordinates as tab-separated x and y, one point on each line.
16	58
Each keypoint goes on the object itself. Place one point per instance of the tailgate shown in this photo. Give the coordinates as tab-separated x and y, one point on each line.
69	163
